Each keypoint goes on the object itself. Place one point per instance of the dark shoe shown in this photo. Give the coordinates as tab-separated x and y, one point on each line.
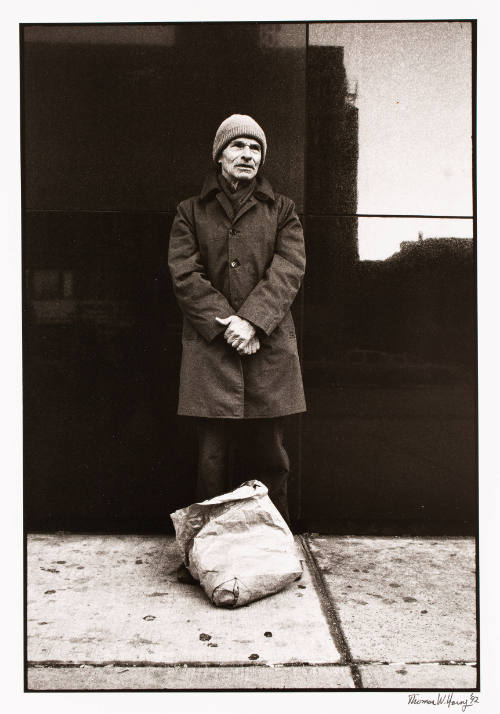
184	576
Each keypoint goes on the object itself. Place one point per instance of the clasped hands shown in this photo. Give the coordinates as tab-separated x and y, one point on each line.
240	334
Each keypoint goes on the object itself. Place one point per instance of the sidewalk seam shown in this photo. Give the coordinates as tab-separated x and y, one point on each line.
52	664
330	613
59	664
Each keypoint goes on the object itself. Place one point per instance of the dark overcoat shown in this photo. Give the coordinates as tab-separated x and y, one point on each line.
250	265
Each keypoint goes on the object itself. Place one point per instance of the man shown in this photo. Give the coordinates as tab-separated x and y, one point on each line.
237	259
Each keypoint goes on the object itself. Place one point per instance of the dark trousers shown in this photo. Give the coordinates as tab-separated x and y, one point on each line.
231	451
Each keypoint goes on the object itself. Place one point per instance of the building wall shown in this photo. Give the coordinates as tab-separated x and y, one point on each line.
118	124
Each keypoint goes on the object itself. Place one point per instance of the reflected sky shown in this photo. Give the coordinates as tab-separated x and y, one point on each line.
414	97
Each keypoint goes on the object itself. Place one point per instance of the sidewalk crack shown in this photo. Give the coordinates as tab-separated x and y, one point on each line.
330	613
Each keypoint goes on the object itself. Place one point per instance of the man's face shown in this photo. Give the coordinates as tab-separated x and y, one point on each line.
241	159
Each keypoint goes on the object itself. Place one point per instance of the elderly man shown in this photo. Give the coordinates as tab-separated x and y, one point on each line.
237	259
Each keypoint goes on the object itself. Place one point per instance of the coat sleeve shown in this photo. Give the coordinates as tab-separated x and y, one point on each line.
271	298
199	301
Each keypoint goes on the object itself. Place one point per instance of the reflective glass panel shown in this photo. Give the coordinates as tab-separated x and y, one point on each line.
124	117
119	123
389	370
411	85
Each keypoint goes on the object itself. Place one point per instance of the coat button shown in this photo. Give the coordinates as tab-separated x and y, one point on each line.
235	263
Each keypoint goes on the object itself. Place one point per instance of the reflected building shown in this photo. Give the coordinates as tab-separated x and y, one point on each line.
421	301
332	139
331	204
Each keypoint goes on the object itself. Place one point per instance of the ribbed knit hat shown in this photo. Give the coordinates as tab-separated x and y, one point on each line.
238	125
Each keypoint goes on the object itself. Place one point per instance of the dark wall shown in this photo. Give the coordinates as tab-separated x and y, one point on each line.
130	126
118	126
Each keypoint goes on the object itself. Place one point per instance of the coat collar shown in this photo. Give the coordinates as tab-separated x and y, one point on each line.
263	189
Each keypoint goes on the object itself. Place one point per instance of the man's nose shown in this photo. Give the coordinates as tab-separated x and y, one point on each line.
246	153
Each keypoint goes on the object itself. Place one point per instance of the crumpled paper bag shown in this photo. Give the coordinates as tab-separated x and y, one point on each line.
237	545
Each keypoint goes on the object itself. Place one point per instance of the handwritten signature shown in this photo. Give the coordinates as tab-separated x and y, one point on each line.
449	700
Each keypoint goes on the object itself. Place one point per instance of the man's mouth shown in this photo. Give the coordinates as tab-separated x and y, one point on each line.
243	166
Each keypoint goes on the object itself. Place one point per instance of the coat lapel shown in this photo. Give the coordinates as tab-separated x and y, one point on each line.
246	207
226	204
263	191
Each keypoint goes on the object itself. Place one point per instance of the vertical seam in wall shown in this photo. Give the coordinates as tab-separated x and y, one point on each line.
330	613
302	292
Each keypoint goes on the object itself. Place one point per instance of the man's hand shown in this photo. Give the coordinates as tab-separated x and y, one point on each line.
240	334
251	348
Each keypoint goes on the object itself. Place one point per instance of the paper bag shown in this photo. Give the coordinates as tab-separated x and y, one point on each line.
237	545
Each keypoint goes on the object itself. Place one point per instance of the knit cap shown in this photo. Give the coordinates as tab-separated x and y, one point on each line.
238	125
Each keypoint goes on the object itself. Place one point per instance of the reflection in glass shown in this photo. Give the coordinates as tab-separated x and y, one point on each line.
389	370
119	121
332	136
417	304
412	83
380	238
119	124
124	117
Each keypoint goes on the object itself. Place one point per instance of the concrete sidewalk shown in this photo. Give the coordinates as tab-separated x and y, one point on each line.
106	612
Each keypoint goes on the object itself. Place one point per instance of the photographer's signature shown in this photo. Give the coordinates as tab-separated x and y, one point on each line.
448	700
